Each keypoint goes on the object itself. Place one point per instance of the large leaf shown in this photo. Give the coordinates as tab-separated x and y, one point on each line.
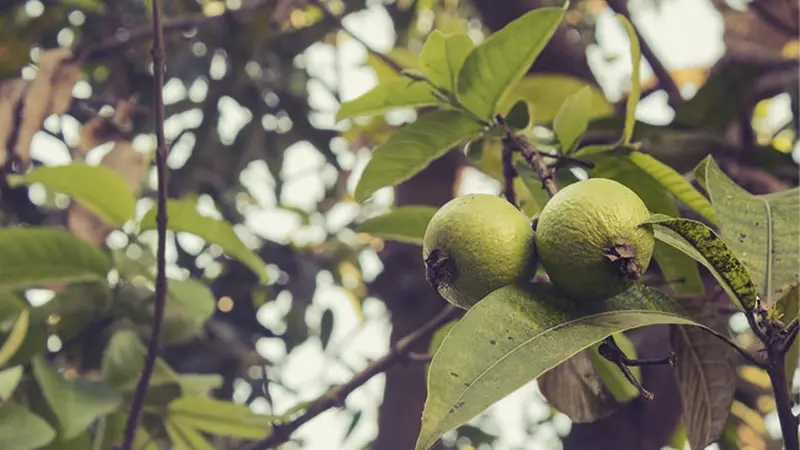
219	417
704	246
15	338
675	183
184	437
547	94
98	188
404	224
191	299
182	215
33	256
442	57
21	429
393	93
636	88
76	403
762	230
705	373
113	427
493	68
572	119
412	148
788	307
9	380
520	333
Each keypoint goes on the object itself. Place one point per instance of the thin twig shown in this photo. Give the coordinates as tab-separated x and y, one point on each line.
159	61
509	173
752	359
338	20
664	78
337	394
530	154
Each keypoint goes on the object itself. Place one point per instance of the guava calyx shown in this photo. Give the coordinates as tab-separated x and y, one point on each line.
625	257
440	270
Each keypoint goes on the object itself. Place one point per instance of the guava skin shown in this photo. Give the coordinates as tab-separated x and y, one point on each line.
475	244
589	239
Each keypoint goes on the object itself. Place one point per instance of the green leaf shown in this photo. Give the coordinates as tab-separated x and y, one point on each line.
442	57
788	307
403	224
636	88
98	188
15	338
519	117
21	429
675	183
33	256
219	417
412	148
192	298
762	230
76	403
183	216
705	374
123	359
520	333
493	68
9	380
547	93
113	427
390	94
184	437
704	246
572	119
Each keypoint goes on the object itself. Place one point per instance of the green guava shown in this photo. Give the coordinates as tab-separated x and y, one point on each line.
589	239
475	244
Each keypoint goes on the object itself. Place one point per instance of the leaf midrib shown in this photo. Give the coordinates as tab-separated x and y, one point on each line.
559	326
768	274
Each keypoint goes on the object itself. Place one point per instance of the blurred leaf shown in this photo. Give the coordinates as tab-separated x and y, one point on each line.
575	388
636	88
219	418
123	359
184	437
704	246
404	224
519	117
183	216
98	188
401	55
613	378
10	306
9	379
353	424
705	373
762	230
493	68
572	119
393	93
547	93
326	328
76	403
21	429
789	308
33	256
192	298
82	441
412	148
674	183
15	338
520	333
92	6
536	196
442	57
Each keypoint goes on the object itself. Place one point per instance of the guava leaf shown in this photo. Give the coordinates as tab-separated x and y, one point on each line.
182	215
22	429
789	308
442	57
9	380
15	338
547	93
184	437
704	246
520	333
219	418
493	68
412	148
403	224
762	230
705	373
675	183
98	188
32	256
572	119
394	93
636	88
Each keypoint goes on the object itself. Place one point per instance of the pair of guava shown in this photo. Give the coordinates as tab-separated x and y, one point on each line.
588	238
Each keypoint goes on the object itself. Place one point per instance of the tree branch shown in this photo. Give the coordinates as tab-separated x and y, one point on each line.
664	78
159	61
336	395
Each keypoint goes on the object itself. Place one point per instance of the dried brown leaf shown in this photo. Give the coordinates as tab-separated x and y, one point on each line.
10	96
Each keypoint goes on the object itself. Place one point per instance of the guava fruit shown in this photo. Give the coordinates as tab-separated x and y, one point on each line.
475	244
589	239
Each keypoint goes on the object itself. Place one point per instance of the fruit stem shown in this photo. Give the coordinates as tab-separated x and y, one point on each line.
439	269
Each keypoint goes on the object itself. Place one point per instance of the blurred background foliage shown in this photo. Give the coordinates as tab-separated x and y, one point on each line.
252	90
